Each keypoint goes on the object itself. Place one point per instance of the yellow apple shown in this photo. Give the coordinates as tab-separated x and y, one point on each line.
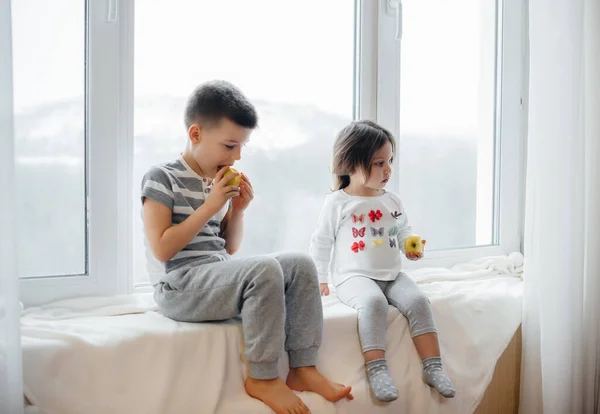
413	244
235	180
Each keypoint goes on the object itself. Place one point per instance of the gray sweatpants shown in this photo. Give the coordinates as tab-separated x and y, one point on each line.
370	298
277	297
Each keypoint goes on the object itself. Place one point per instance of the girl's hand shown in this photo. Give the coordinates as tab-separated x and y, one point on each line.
220	193
416	256
246	194
324	288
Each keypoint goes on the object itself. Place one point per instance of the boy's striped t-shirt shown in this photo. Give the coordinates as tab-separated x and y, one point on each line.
181	189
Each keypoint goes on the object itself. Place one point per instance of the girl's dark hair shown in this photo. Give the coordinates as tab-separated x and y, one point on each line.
354	148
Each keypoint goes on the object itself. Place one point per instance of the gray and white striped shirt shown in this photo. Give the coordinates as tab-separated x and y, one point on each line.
181	189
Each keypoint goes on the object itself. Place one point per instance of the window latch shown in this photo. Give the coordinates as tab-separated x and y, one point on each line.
113	6
395	7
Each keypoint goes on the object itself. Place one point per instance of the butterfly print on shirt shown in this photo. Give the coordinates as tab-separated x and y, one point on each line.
394	231
358	219
375	215
377	232
358	232
357	246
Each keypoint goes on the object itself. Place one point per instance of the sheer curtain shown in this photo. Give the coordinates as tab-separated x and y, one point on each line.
11	395
560	367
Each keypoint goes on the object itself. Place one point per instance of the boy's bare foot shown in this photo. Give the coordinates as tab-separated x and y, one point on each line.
309	379
276	395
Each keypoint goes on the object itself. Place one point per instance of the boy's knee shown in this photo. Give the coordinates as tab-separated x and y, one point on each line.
300	261
299	268
267	271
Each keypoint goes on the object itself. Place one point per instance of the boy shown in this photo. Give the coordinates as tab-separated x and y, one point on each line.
193	222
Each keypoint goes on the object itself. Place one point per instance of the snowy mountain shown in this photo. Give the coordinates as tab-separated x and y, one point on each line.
288	160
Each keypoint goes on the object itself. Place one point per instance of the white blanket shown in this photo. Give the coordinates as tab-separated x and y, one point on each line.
117	355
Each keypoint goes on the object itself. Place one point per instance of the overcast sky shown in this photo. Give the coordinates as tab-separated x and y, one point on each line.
276	50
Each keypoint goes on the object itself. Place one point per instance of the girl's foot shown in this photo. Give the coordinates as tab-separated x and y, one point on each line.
434	375
381	381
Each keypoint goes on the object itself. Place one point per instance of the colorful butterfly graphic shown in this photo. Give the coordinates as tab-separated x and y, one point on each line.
358	219
375	215
396	214
358	233
376	232
358	246
377	242
394	231
392	242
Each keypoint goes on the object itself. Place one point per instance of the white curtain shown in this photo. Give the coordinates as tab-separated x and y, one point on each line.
560	366
11	395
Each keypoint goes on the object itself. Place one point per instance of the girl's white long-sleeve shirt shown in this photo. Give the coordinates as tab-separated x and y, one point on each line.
360	236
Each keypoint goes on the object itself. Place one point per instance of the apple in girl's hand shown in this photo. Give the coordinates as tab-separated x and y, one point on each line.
235	180
414	244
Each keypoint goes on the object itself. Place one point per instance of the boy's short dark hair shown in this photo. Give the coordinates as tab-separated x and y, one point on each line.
214	100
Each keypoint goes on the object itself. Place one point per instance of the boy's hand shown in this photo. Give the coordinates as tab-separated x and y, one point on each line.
416	256
220	192
246	194
324	288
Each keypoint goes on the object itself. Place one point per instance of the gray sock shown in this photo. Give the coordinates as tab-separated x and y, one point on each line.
434	375
381	381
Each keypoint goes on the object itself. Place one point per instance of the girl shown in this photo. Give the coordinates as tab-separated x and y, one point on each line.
366	227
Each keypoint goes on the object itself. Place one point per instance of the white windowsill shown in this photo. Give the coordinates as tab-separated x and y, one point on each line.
439	258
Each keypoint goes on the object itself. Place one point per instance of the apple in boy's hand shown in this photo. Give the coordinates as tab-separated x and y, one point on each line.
235	180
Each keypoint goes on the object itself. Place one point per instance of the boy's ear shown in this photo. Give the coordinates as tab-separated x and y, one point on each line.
195	133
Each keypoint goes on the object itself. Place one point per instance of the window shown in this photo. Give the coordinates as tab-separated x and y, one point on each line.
106	102
456	110
49	101
299	76
447	120
68	93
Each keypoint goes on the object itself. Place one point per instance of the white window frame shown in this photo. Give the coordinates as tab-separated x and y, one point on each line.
110	140
510	128
109	97
11	374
